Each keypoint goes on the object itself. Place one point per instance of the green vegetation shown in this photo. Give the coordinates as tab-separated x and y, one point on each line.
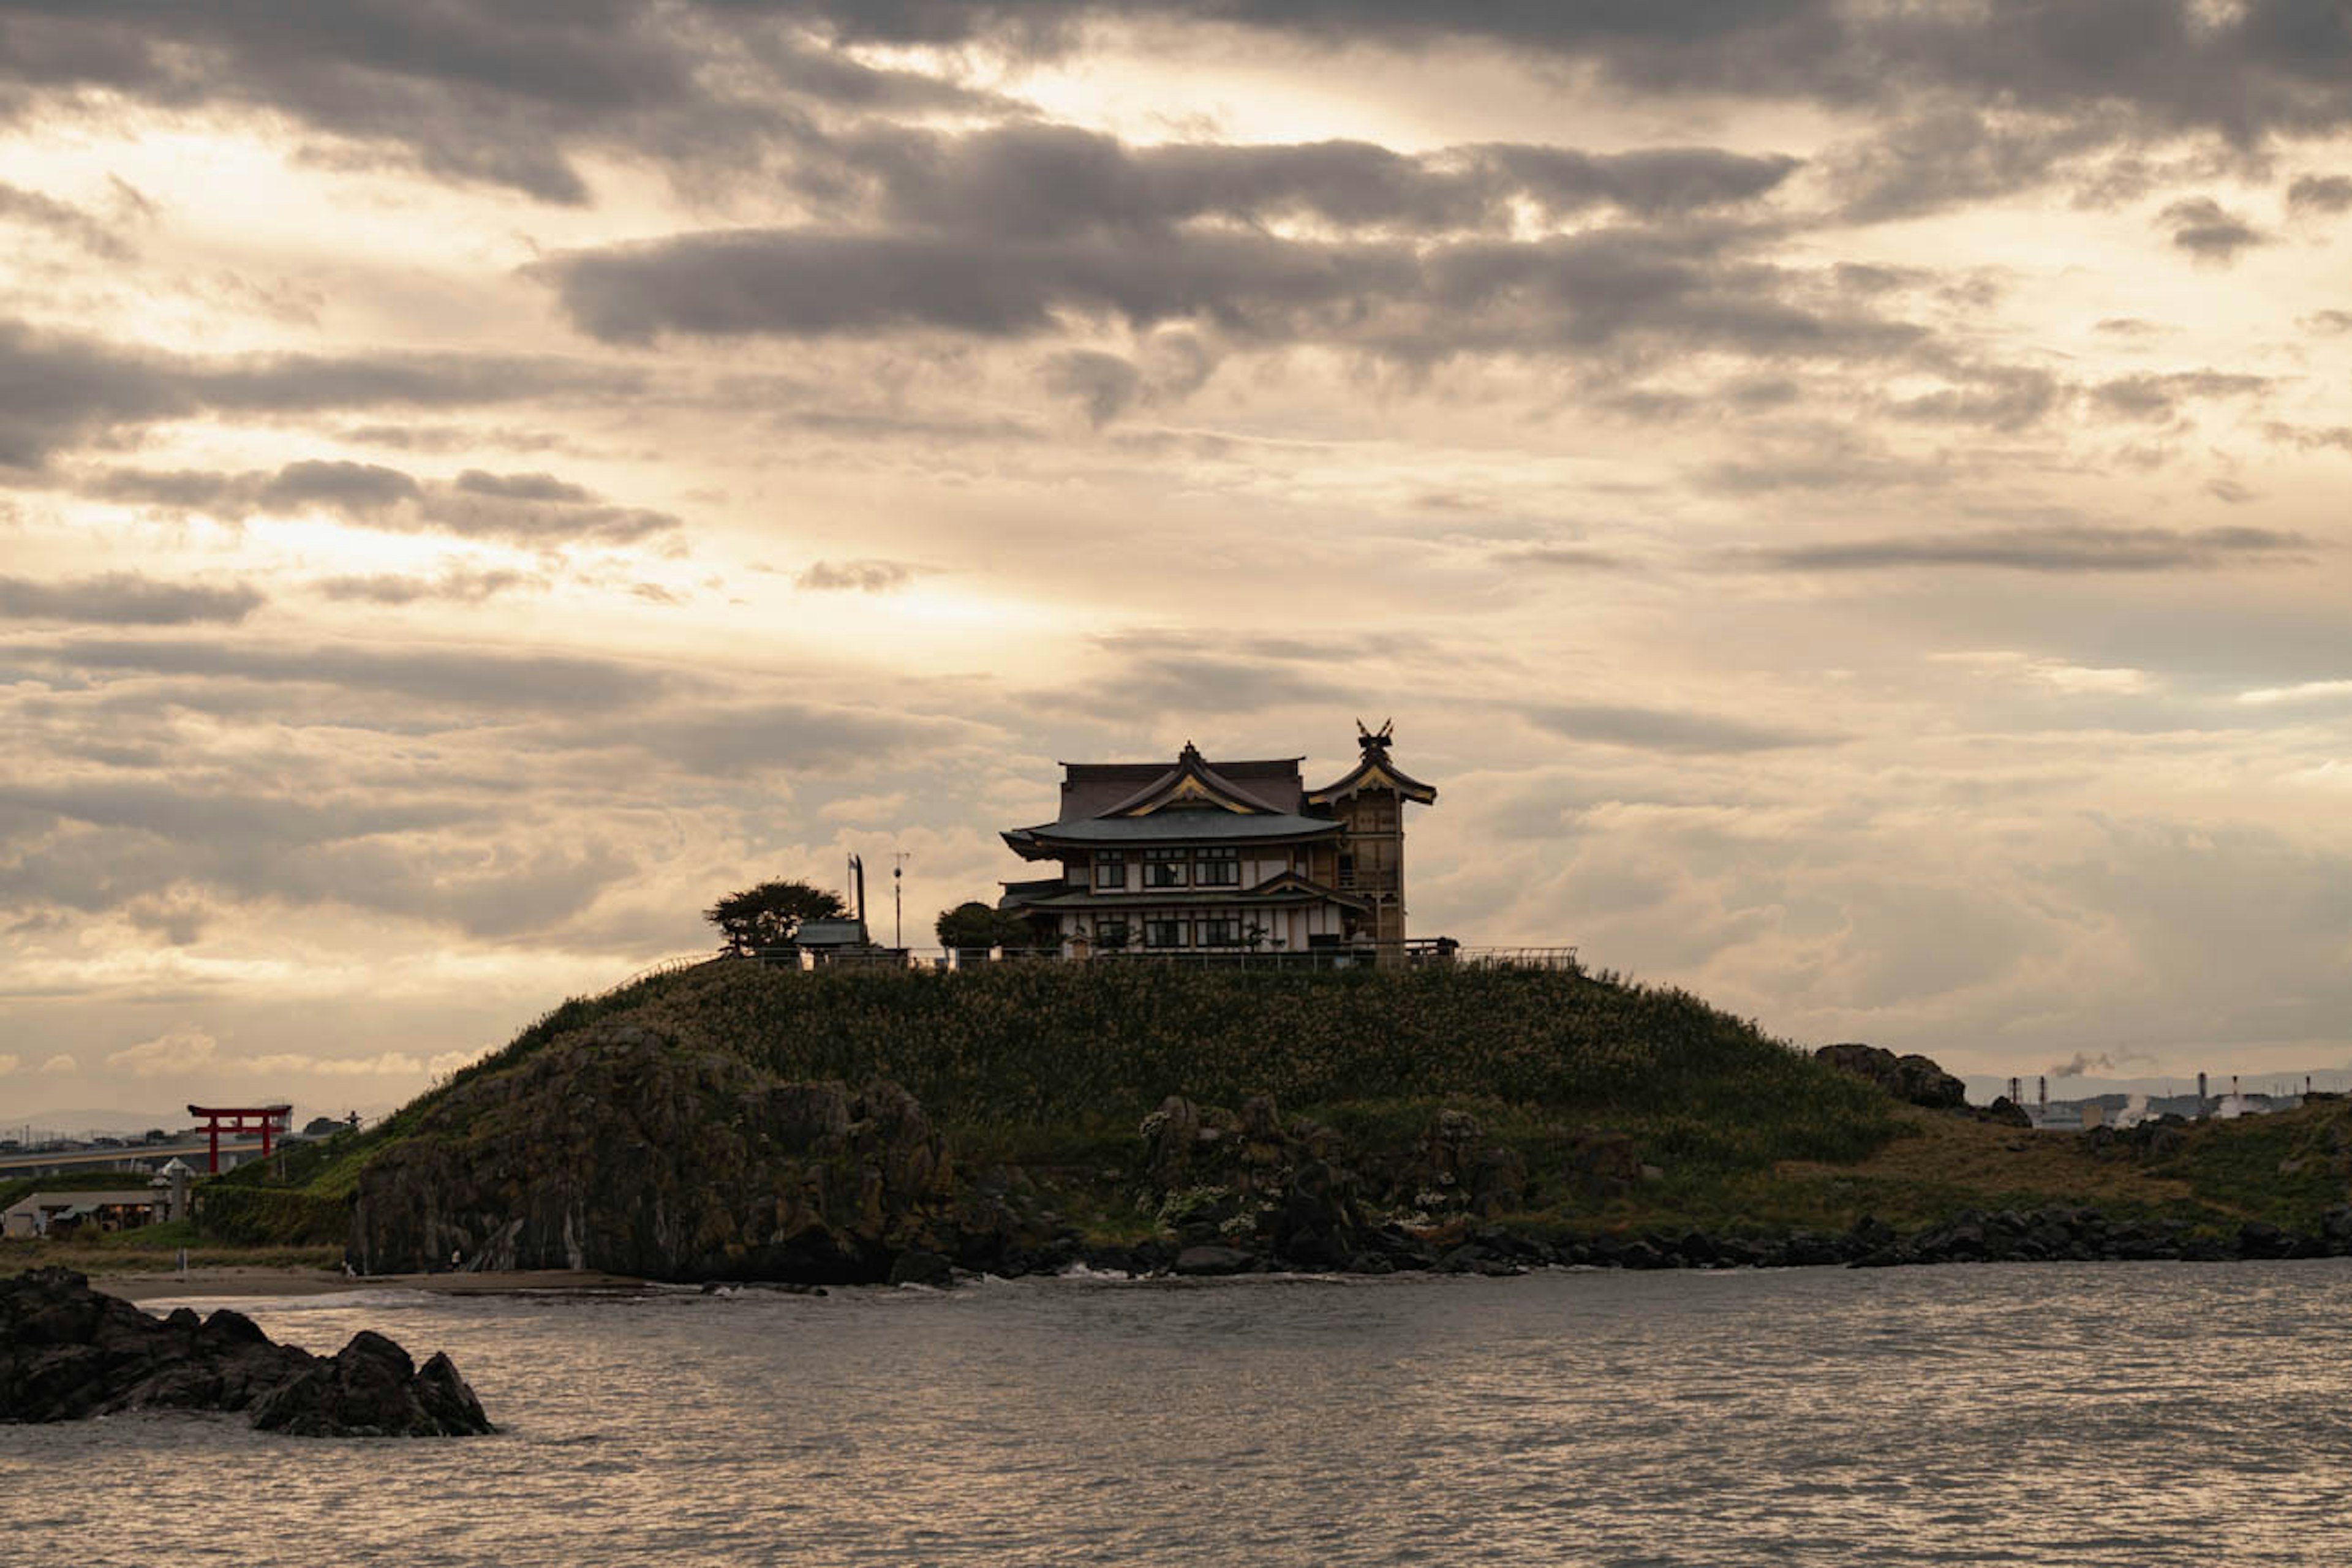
975	925
769	914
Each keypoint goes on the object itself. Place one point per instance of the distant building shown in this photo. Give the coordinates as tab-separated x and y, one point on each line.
50	1213
1207	857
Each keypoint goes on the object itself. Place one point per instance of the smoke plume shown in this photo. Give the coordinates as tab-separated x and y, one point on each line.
2082	1064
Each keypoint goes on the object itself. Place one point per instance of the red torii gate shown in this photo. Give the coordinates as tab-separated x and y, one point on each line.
266	1119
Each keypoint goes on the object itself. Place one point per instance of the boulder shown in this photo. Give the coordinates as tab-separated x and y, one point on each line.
68	1350
917	1267
371	1389
1212	1260
1914	1080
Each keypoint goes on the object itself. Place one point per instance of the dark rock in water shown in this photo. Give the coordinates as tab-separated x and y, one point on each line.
1213	1260
1914	1078
917	1267
371	1389
68	1350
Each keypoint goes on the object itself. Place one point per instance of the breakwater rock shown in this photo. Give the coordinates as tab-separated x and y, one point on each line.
617	1149
68	1351
2055	1234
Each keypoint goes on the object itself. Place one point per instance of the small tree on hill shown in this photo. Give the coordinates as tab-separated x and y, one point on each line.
974	925
769	914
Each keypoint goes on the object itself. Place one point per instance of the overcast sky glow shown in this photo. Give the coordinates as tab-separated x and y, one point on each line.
1842	497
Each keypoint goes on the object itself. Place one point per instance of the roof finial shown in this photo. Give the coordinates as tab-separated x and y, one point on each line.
1191	751
1375	742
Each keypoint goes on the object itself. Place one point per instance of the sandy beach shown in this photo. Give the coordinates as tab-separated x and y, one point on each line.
172	1284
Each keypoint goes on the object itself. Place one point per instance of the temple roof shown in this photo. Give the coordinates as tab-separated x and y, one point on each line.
1168	827
1374	771
1096	789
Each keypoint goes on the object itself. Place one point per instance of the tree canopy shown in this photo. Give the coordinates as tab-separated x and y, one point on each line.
974	924
770	914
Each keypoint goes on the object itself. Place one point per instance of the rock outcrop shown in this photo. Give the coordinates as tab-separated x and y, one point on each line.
619	1149
68	1351
1915	1079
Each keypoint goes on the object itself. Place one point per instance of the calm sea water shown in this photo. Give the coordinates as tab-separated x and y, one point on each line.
2093	1413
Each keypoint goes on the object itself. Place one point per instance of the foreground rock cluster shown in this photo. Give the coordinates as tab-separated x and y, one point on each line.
68	1351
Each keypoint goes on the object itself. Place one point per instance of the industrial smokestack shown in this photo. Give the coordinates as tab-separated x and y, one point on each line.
2233	1086
2041	1092
2200	1094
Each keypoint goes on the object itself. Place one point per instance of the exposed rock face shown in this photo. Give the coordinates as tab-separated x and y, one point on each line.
618	1150
1914	1078
68	1350
1236	1187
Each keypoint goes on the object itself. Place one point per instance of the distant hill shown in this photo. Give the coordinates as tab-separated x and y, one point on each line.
75	1121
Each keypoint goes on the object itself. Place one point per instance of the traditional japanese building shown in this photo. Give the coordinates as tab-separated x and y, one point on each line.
1204	856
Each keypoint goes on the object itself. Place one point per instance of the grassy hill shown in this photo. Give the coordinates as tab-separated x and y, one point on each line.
1050	1070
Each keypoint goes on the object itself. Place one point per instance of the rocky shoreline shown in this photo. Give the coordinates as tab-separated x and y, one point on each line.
68	1351
2050	1234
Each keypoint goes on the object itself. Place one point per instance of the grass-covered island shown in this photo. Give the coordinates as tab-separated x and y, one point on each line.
733	1121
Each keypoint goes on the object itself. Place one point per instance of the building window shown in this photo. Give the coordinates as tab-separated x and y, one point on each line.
1163	933
1166	868
1220	933
1110	935
1110	869
1219	868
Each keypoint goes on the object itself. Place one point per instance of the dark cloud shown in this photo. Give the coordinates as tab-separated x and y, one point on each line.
2152	398
2327	323
1045	180
456	586
475	90
2309	437
521	487
729	739
2126	327
1103	384
125	598
1564	557
2200	226
468	679
534	511
857	576
1688	286
1956	153
102	239
1668	730
2060	548
1998	397
2320	194
59	390
471	89
2170	66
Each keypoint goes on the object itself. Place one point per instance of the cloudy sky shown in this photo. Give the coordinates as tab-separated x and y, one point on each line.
1842	497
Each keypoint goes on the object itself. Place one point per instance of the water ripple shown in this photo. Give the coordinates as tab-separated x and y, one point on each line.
2092	1414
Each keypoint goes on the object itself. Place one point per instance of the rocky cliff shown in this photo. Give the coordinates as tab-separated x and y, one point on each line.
616	1149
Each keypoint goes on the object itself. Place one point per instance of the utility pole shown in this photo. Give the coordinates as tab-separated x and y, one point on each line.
898	901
